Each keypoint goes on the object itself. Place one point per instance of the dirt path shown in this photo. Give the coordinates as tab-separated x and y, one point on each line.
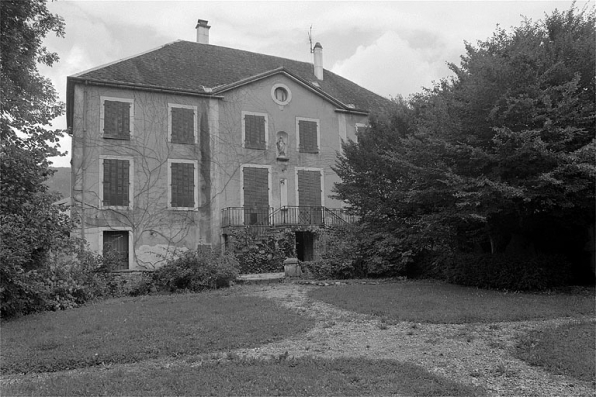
468	353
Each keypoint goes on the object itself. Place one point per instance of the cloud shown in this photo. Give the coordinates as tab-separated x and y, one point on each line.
395	65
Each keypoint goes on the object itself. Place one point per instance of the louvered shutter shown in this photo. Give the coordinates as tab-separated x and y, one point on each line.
183	185
308	136
254	131
256	195
309	188
183	125
115	182
116	120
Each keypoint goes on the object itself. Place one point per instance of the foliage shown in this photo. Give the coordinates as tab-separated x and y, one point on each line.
261	253
497	159
196	271
68	279
30	226
510	272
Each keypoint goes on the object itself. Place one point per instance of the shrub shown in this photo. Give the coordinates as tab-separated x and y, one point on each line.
261	253
196	271
502	271
67	279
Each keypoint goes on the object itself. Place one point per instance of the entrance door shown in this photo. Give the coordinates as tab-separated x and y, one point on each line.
305	246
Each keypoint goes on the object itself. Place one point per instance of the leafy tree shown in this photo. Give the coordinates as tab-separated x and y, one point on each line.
30	226
499	158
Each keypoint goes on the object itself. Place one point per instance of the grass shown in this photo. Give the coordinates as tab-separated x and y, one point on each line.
565	350
442	303
301	376
134	329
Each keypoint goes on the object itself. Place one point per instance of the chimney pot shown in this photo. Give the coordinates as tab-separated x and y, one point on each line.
318	60
203	31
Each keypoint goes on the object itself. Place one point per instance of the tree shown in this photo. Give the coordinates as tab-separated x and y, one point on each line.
499	158
31	225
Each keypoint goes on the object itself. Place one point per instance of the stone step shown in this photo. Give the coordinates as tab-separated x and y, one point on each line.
263	278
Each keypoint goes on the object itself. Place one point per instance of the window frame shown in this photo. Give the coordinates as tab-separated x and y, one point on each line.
321	171
130	243
102	117
356	126
285	87
196	184
131	182
195	119
247	113
318	149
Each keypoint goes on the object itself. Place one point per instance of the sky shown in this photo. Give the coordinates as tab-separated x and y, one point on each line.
389	47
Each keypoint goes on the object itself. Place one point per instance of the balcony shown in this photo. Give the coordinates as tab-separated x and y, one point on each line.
284	216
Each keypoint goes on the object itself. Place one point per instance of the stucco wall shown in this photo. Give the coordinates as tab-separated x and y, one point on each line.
156	231
256	97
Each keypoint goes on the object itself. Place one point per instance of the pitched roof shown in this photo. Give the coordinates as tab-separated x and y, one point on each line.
208	69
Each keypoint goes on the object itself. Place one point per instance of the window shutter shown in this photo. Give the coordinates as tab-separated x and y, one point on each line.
116	182
308	136
183	185
309	188
254	131
256	187
183	123
116	121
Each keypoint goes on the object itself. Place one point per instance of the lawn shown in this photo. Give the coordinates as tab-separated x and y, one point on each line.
442	303
135	329
566	350
275	377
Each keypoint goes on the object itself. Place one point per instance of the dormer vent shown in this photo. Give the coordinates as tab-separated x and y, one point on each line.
318	60
203	31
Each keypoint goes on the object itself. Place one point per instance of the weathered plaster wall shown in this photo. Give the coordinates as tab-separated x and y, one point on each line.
156	231
256	97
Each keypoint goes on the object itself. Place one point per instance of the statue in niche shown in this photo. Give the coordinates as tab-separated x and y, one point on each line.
281	147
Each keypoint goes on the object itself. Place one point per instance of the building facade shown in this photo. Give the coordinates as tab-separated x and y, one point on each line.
174	147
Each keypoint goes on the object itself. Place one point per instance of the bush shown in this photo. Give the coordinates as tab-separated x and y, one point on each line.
196	271
502	271
261	253
66	280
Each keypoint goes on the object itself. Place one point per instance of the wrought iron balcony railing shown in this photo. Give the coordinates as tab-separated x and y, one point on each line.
284	216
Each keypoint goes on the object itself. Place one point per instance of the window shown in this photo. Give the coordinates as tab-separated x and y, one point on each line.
116	118
116	182
308	135
360	129
281	94
256	194
309	190
116	247
182	126
183	181
254	130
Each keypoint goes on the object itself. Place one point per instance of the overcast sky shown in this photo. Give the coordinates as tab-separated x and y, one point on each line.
392	48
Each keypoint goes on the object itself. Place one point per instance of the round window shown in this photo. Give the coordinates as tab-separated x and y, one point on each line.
281	94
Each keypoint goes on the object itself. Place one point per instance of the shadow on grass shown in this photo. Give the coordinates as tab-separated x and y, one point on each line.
565	350
442	303
302	376
135	329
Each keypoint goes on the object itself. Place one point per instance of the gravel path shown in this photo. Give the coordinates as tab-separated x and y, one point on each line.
468	353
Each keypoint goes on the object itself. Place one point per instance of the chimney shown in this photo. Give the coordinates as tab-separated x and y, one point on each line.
203	31
318	50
